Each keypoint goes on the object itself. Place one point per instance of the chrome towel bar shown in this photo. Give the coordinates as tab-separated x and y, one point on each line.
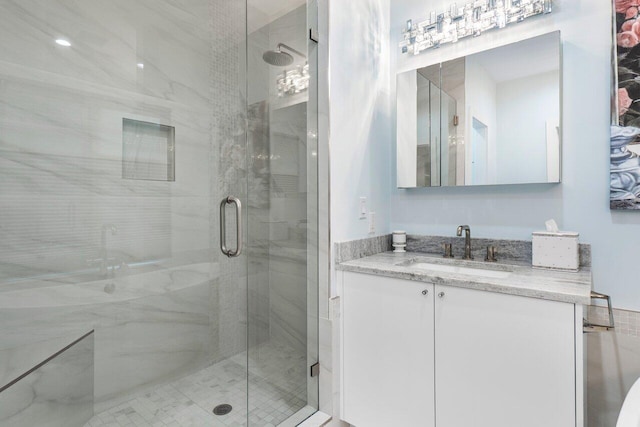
592	327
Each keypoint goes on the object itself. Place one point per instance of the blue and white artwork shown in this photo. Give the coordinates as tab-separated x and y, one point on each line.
625	127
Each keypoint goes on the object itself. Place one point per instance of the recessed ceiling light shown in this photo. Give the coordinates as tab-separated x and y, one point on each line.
140	65
63	42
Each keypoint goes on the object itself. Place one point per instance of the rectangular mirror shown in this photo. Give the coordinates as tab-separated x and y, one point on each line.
491	118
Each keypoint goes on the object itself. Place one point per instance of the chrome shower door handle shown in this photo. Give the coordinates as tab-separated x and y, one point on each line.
223	222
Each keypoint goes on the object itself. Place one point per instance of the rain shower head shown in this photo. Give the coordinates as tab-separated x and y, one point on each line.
279	58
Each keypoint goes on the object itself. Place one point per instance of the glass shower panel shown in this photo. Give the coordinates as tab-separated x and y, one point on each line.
313	212
283	302
122	127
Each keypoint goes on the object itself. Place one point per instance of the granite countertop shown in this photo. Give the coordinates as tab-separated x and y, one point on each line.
519	278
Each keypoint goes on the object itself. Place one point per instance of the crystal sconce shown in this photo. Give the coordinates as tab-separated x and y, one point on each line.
472	19
293	81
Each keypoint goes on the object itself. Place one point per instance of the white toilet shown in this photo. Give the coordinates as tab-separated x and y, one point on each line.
630	412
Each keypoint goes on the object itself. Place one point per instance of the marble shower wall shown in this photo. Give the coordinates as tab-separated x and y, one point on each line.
61	143
228	175
80	246
288	215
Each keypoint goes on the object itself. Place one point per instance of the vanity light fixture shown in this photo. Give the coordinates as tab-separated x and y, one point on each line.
63	42
472	19
140	65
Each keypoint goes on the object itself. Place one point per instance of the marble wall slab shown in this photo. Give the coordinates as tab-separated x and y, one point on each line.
16	360
57	392
288	250
108	40
506	250
150	341
347	251
62	143
259	190
259	299
229	171
288	297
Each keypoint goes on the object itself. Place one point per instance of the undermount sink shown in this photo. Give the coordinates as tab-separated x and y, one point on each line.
494	274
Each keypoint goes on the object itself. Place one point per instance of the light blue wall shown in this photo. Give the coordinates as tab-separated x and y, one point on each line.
360	117
581	202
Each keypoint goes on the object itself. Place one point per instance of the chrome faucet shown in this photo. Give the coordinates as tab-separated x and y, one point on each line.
104	249
467	240
104	262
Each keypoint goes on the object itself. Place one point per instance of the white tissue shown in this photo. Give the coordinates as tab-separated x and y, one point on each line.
551	225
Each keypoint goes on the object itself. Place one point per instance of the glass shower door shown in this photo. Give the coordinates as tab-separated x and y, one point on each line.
282	212
122	127
133	287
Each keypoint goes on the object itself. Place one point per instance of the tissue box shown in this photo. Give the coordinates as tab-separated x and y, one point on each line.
555	250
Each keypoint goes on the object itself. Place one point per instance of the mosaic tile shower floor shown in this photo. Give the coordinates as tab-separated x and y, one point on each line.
277	387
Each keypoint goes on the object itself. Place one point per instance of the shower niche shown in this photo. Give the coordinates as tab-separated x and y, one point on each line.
148	151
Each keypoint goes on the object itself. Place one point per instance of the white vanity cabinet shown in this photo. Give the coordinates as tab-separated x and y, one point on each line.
387	351
503	360
456	357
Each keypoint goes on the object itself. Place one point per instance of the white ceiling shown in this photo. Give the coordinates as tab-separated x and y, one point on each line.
263	12
526	58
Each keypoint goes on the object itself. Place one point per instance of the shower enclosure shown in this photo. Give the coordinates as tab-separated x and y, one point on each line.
158	212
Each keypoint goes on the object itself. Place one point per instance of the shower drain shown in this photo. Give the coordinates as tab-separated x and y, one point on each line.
223	409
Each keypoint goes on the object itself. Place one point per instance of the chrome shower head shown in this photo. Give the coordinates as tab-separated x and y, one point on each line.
277	57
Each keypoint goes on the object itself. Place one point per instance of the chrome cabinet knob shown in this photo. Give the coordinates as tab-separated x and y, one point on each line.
425	292
441	294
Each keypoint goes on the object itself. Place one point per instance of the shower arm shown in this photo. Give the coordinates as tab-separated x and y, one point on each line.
297	52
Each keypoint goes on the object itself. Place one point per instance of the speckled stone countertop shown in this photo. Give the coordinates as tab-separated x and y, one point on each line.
520	279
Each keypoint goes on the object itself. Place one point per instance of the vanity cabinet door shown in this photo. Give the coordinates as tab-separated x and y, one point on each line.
387	348
503	360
